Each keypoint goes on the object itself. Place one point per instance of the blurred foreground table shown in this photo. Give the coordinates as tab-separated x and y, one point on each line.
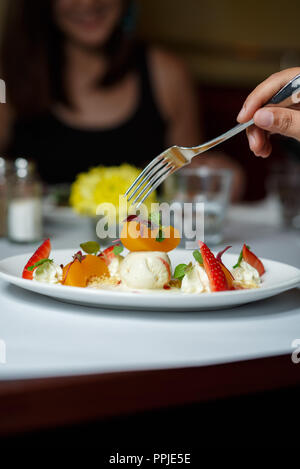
67	363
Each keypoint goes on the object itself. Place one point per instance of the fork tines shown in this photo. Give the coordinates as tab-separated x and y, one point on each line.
149	179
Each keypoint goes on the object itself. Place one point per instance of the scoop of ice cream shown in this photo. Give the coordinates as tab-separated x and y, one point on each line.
195	280
149	270
114	267
49	272
246	275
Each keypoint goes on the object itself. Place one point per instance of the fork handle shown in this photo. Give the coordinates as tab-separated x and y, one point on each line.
222	138
288	95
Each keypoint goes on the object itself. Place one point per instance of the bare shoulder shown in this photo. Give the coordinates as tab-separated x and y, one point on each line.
176	96
166	59
167	68
172	82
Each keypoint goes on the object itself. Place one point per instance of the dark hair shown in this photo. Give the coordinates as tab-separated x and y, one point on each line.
32	57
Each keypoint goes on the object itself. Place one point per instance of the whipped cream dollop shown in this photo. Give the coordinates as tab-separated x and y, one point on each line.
49	272
246	275
195	280
146	270
115	266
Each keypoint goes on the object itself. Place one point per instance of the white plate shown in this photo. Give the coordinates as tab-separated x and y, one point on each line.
278	278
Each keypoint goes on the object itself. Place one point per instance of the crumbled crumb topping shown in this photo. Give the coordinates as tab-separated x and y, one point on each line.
95	282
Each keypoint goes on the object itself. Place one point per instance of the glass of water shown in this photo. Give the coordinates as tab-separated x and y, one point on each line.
286	184
206	189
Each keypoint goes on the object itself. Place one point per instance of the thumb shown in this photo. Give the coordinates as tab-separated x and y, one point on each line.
279	121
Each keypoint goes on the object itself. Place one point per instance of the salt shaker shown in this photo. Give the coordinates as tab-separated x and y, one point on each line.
4	173
24	212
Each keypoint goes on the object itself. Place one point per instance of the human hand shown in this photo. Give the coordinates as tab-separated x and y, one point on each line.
271	119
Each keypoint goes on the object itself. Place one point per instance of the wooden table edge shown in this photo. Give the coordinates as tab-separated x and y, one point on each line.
34	404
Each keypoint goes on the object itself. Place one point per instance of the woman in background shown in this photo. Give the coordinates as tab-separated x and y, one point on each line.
83	92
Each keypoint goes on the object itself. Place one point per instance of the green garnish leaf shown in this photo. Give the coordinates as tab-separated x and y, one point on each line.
180	271
240	258
37	264
155	218
198	256
160	238
91	247
118	249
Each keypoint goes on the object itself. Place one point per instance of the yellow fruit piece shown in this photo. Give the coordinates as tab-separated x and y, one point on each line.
77	274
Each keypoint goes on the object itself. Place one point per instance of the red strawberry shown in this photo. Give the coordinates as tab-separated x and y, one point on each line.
43	252
228	274
108	255
213	268
253	260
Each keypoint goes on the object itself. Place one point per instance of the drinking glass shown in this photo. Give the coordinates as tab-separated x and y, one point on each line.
205	189
287	183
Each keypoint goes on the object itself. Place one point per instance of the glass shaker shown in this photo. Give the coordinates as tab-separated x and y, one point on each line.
24	212
5	168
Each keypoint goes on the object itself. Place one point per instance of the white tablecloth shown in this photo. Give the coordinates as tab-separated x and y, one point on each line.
44	337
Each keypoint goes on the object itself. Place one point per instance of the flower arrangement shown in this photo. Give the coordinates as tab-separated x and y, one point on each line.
103	185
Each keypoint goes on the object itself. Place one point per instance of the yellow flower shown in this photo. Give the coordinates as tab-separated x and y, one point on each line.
103	185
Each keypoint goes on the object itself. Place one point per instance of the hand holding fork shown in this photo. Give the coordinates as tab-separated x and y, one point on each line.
175	158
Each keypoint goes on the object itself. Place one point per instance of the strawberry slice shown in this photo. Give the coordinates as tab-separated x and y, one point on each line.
108	254
228	274
43	252
253	260
213	268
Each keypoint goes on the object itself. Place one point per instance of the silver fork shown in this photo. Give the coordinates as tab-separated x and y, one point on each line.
175	158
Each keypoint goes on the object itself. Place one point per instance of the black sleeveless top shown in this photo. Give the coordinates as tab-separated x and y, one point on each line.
61	151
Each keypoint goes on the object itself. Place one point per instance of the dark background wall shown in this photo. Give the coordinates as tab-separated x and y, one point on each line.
231	46
226	41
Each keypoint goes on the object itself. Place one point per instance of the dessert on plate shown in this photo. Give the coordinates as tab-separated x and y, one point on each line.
146	265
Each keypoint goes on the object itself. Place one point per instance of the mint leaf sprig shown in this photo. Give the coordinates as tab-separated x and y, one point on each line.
181	270
160	237
240	258
90	247
118	249
155	220
40	262
198	256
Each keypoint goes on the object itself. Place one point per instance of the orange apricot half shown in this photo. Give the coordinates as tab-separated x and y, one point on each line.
78	273
136	236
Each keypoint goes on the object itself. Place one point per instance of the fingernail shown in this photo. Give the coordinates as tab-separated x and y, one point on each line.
264	118
242	112
251	140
